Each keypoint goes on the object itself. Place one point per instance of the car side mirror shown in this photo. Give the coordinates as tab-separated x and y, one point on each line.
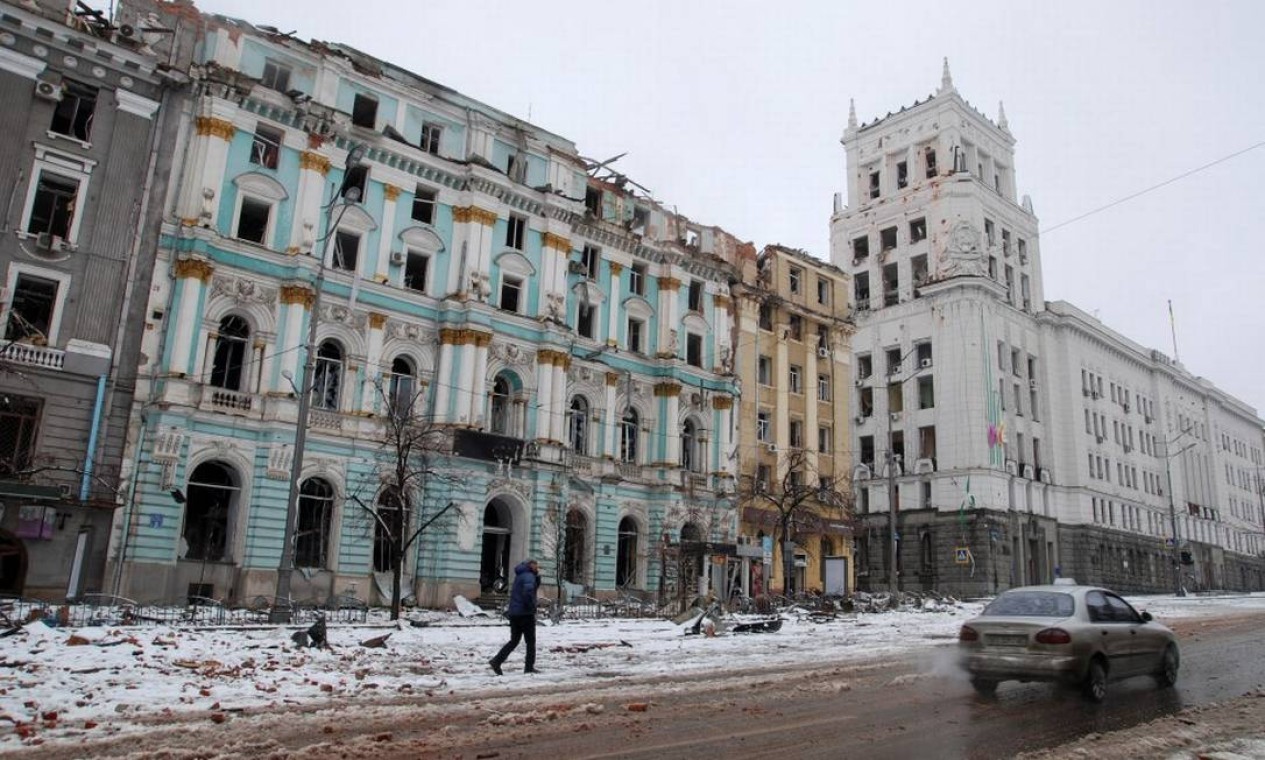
1146	617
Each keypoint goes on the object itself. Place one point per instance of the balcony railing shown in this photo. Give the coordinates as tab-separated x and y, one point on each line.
35	356
224	400
326	420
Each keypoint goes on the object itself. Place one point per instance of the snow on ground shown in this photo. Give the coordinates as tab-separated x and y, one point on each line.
64	682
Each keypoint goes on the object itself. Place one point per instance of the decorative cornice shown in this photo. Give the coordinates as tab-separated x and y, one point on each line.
616	268
297	294
669	283
554	357
723	402
314	161
449	336
721	301
556	242
612	378
209	125
376	320
459	336
670	390
198	268
461	214
390	192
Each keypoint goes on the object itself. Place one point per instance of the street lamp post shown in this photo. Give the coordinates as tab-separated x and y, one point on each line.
1172	510
892	538
281	607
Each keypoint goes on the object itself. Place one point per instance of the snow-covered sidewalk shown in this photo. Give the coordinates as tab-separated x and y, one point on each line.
63	683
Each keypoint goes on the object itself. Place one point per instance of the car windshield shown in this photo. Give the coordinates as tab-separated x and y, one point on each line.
1032	604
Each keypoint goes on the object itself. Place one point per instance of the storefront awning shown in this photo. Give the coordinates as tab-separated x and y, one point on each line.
30	491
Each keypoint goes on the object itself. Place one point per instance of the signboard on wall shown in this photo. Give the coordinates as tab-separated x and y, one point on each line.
35	521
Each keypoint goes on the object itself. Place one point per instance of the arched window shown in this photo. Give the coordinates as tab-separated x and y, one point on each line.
579	425
626	555
327	380
311	536
388	529
209	503
499	416
628	430
689	447
402	388
229	362
575	551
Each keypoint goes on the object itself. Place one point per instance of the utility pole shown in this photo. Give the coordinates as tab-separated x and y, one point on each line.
1172	511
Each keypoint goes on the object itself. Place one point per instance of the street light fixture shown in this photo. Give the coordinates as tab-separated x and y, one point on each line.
349	196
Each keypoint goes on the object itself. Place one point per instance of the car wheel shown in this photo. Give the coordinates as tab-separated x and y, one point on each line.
1096	681
1168	667
984	687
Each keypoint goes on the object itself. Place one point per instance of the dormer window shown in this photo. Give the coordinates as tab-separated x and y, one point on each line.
431	134
276	76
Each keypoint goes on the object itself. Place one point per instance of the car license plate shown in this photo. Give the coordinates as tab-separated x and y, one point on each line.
1008	640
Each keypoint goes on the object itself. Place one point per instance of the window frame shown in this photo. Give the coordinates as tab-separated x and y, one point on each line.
67	166
267	136
278	80
16	270
431	136
515	232
428	199
79	92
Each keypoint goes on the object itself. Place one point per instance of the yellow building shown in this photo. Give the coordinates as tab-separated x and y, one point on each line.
794	333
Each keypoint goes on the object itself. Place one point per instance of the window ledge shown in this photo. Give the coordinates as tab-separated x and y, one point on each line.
68	138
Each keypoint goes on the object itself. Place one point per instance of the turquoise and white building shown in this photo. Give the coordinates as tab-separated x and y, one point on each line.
572	339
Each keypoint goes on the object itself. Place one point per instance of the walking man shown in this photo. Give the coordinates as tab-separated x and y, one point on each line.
522	615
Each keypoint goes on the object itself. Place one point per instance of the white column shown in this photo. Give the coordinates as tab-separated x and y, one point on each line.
671	427
308	199
295	300
472	244
373	364
381	265
724	409
669	317
544	392
559	416
443	375
191	275
465	363
609	438
207	159
478	381
614	297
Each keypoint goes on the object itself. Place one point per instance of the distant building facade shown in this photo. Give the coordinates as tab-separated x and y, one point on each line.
81	117
568	337
1024	439
794	332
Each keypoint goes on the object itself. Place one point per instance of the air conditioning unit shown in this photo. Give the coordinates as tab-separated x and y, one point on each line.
1027	471
398	257
1101	439
925	363
771	448
577	267
860	381
861	418
1012	467
1032	384
44	241
925	465
823	352
49	90
896	416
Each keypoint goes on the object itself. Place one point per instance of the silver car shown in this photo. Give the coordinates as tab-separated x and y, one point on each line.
1079	635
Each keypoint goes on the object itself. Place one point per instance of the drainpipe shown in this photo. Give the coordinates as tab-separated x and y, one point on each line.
125	531
92	439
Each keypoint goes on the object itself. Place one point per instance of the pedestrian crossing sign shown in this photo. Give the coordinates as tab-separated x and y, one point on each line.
962	555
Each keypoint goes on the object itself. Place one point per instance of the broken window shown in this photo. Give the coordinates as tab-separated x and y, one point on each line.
861	288
636	336
762	426
694	349
1010	283
918	230
795	325
796	434
696	296
364	111
929	156
431	135
265	147
1005	242
586	320
926	392
865	401
766	316
823	337
989	232
209	498
927	442
637	279
918	267
31	309
416	267
893	361
992	267
823	387
252	220
795	379
874	184
823	291
823	445
311	536
388	528
276	76
764	370
515	226
860	250
327	379
865	366
898	449
19	424
1025	292
902	174
867	451
53	211
794	277
593	201
424	205
511	293
887	239
895	397
73	115
891	285
346	250
590	258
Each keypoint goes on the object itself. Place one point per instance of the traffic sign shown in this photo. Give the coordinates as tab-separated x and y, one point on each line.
962	555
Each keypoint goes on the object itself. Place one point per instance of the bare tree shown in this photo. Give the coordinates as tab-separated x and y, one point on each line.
402	505
799	500
696	523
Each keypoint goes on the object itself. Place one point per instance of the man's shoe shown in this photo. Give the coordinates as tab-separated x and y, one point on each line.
530	670
496	667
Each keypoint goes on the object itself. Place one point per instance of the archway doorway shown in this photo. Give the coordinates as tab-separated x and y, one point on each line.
12	564
494	561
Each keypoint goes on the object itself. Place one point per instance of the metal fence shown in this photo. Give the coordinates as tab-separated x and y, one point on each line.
106	610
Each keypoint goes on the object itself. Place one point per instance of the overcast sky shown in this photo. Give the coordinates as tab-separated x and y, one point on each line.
732	112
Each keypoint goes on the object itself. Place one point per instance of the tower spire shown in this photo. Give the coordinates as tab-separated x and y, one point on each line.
852	114
946	79
1002	124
